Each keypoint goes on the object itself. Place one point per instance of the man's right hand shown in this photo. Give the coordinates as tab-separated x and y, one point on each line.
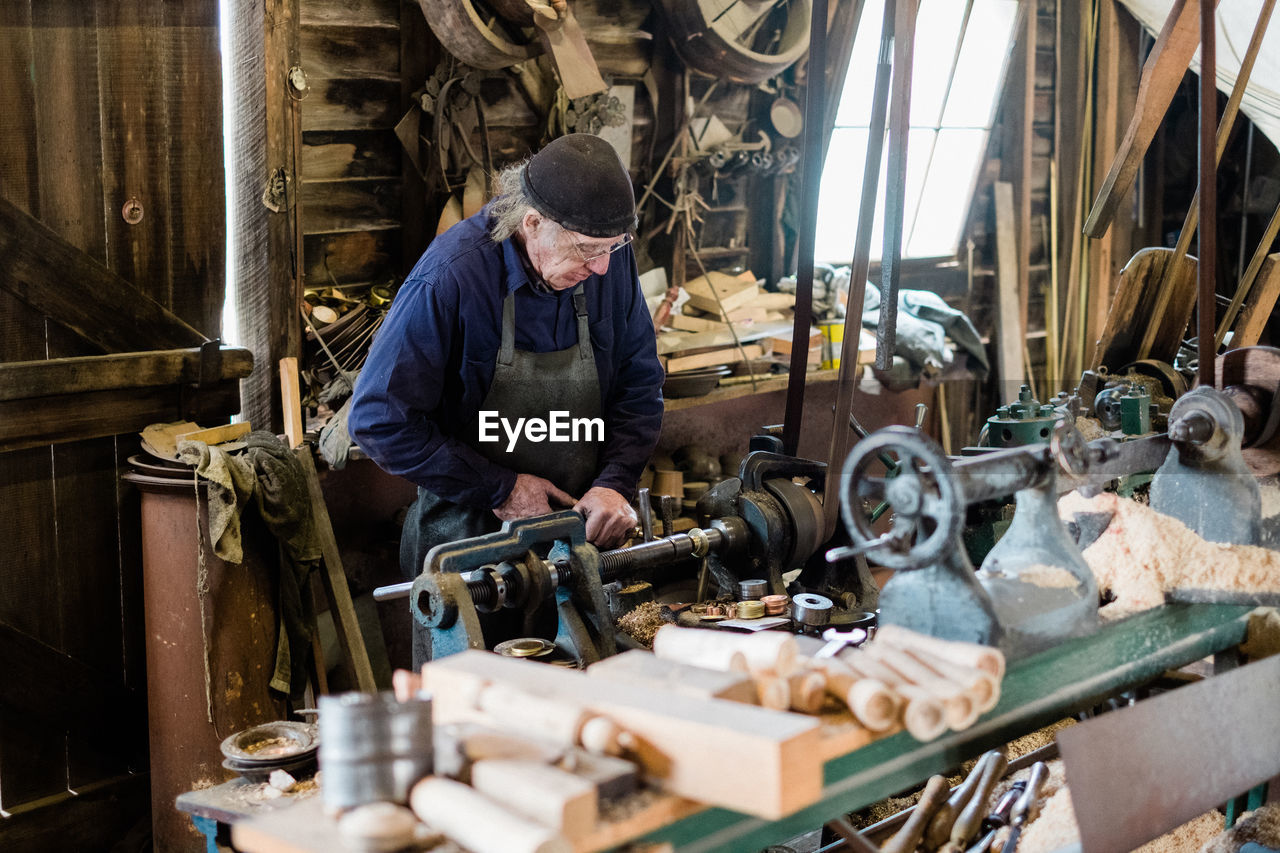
531	496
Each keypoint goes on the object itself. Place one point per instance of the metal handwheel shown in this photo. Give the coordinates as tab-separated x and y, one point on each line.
927	503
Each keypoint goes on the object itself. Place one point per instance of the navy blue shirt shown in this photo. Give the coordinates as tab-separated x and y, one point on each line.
432	361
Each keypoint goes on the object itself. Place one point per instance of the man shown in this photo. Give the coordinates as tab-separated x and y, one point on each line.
529	308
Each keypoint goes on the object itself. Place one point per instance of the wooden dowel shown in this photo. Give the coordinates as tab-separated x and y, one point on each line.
958	709
872	702
477	823
771	652
985	658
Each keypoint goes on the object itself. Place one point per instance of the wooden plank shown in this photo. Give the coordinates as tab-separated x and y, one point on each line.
352	257
328	155
90	819
19	173
346	51
1161	75
197	229
728	355
1009	332
350	205
1100	257
54	277
95	414
351	104
135	142
644	668
23	380
335	580
372	13
669	342
1135	313
1254	318
754	760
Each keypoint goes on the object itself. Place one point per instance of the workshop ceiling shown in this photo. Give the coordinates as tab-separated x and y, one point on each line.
1236	21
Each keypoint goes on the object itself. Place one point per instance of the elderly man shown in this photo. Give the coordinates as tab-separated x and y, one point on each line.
516	371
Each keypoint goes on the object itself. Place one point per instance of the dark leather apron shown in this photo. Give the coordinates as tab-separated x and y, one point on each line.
525	385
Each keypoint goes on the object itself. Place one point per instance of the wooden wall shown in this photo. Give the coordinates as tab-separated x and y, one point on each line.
102	102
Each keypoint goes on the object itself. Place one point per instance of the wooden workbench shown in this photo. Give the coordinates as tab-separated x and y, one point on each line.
1037	691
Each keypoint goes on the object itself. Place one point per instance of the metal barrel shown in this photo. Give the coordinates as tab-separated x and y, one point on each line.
372	747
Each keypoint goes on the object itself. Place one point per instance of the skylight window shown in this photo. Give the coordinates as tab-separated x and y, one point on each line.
953	103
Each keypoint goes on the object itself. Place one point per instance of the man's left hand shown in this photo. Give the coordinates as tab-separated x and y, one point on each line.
609	517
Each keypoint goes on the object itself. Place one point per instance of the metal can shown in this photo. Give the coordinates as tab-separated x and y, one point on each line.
372	747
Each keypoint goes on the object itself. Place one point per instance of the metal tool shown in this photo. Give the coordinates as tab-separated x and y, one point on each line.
998	818
1023	806
838	641
538	563
1204	482
811	610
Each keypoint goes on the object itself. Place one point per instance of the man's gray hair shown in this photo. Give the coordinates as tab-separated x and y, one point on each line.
509	205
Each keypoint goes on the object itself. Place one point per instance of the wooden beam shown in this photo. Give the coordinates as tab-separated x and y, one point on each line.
26	380
1009	333
93	414
57	279
1254	317
1100	267
1168	61
91	819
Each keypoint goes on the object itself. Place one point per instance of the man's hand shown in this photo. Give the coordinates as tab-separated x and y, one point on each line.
609	517
531	496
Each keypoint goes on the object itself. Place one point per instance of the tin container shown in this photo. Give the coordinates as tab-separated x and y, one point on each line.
372	747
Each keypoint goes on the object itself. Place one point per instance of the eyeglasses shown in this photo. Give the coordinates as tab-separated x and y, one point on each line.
588	258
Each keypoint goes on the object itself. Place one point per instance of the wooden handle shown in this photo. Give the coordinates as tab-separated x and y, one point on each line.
808	691
907	838
958	709
985	658
872	702
940	827
559	722
769	652
547	795
966	825
982	688
477	823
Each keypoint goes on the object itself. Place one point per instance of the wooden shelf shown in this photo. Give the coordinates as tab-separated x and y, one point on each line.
771	382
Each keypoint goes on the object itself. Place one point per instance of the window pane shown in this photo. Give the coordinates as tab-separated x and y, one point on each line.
859	85
840	196
982	62
944	202
937	24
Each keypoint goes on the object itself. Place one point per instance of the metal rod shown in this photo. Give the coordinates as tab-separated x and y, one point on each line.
896	182
1206	313
850	346
814	129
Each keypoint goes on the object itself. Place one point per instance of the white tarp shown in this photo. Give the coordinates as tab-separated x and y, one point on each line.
1236	20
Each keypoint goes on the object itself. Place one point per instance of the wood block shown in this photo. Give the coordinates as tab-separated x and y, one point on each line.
727	355
643	668
554	798
218	434
686	342
776	301
728	305
782	343
753	760
719	283
689	323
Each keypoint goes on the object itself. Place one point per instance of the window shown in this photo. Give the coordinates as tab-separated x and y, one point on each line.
953	101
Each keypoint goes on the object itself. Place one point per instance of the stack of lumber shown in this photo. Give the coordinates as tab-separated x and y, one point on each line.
700	334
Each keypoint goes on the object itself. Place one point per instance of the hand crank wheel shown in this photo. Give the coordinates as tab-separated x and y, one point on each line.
464	31
743	41
927	504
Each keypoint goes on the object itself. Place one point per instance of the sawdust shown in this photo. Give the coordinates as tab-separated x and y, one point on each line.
1048	577
1261	826
1055	827
1143	554
1090	428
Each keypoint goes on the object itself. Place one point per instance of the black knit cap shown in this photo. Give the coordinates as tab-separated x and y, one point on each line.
579	181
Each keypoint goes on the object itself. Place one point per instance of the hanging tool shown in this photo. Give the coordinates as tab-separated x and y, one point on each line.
1022	809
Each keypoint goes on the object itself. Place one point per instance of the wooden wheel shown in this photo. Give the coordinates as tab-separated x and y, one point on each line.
746	41
478	36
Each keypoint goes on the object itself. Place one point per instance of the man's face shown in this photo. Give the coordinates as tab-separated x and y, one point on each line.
564	258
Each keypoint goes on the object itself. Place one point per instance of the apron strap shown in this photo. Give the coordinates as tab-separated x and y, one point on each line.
584	329
507	351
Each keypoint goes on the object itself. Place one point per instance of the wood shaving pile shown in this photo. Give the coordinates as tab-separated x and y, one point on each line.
1056	828
1048	577
1261	826
1143	554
